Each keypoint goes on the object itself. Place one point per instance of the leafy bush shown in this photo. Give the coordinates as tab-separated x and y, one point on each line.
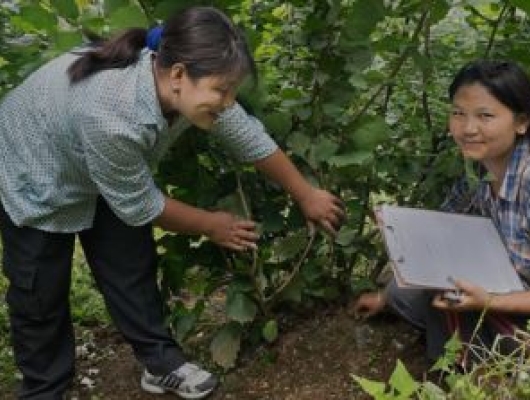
494	376
8	370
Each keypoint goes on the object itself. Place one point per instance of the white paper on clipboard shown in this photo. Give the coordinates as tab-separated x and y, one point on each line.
427	247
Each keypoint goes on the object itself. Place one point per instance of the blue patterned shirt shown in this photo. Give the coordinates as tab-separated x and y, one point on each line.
510	210
63	145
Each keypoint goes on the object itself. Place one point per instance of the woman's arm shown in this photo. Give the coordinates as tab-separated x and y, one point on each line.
518	302
222	228
247	140
475	298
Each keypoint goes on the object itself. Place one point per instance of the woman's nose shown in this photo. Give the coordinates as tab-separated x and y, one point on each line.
470	126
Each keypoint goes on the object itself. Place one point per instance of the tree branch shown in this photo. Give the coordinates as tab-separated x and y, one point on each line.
496	25
399	63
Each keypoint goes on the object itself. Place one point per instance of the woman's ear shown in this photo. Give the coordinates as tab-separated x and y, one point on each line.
176	76
523	122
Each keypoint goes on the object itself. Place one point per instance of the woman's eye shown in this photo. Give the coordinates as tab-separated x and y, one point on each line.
456	113
485	115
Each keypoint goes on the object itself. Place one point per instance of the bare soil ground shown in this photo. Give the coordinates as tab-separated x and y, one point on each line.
313	360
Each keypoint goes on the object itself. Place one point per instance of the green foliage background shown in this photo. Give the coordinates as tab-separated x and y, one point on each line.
353	90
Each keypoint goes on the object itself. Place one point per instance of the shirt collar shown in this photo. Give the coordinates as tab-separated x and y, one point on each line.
148	108
516	166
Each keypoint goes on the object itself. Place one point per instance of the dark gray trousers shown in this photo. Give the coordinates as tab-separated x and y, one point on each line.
414	305
38	266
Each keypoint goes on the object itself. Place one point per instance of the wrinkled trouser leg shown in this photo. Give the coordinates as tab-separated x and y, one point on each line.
38	267
123	261
414	305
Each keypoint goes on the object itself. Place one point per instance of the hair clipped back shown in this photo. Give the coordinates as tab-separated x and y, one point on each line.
203	39
118	52
207	43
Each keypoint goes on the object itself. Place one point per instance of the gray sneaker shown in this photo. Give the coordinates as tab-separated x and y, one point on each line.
188	381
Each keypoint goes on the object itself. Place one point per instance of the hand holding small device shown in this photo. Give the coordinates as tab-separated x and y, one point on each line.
452	297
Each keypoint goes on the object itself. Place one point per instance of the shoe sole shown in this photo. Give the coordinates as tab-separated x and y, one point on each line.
155	389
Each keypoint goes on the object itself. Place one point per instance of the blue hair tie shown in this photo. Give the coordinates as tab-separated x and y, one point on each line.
152	40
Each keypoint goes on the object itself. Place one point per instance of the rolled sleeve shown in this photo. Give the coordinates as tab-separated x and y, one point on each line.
115	156
243	135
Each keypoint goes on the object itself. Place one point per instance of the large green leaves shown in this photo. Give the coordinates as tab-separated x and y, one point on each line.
225	345
362	19
370	133
240	308
522	4
66	8
127	17
34	19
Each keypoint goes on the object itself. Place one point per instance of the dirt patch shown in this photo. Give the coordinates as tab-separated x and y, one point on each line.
313	359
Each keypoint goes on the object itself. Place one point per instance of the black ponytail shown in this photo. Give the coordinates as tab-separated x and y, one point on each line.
117	52
202	38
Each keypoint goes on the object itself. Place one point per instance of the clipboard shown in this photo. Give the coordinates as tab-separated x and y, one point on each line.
429	248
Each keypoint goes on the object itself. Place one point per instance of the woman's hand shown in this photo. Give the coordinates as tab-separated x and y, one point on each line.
469	298
324	209
228	231
369	304
319	206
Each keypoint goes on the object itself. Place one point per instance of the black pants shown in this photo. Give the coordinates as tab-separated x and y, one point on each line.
38	265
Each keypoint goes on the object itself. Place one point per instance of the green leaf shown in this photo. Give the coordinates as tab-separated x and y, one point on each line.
226	344
402	381
239	284
373	388
184	325
453	348
323	149
333	110
312	272
113	5
240	308
233	204
362	19
66	8
360	56
67	40
299	143
431	391
277	123
127	17
354	158
293	97
439	11
270	331
164	9
286	248
346	236
372	132
522	4
38	18
293	291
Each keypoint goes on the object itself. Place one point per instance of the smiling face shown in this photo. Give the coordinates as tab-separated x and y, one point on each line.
200	100
484	128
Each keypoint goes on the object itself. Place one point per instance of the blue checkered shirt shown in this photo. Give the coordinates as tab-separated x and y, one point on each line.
63	145
510	210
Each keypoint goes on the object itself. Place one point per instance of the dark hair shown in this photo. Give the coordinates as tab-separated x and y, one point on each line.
201	38
504	80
